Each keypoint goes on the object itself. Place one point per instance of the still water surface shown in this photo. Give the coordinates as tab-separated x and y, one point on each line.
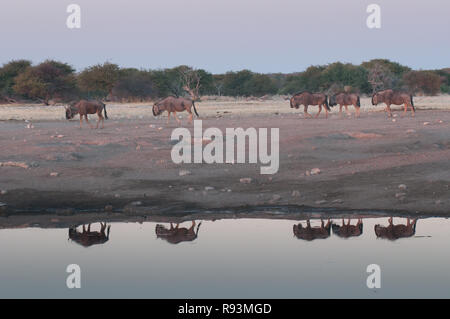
240	258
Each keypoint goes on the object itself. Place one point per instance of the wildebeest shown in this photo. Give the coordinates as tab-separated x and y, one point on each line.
307	98
347	230
390	97
84	108
393	232
176	235
310	233
346	99
173	105
87	237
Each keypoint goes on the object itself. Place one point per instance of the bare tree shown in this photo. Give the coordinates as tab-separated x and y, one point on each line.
190	79
380	78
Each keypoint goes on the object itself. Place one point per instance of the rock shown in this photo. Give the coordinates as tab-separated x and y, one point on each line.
411	131
295	194
108	208
275	198
117	195
137	203
245	180
209	188
438	202
138	148
394	120
30	125
315	171
54	174
400	196
191	189
426	123
320	202
3	192
184	172
338	201
402	186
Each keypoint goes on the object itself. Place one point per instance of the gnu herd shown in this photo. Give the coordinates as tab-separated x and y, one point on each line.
306	99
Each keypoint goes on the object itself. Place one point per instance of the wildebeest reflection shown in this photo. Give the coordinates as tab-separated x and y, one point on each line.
177	234
87	238
310	233
393	232
347	230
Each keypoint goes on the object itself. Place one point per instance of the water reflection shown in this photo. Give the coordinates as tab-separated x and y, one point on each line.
177	234
87	238
311	233
394	232
348	230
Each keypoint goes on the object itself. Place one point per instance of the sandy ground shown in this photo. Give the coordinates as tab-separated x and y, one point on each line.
371	163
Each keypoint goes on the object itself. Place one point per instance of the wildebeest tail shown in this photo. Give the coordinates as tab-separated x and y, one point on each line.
326	103
412	102
104	110
195	110
358	102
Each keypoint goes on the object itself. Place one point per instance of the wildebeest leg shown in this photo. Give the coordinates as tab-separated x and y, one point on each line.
346	111
306	112
412	110
168	117
357	108
388	108
405	109
340	110
326	111
87	121
176	117
320	110
190	117
81	120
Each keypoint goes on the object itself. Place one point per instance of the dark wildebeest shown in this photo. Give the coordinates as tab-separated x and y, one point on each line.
87	107
87	238
393	232
308	98
310	233
390	97
173	105
346	99
347	230
176	235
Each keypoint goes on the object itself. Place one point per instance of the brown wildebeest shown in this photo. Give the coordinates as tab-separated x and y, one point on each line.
173	105
393	232
308	98
310	233
390	97
87	238
347	230
87	107
176	235
346	99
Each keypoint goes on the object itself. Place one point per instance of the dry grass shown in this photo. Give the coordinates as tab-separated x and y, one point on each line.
210	107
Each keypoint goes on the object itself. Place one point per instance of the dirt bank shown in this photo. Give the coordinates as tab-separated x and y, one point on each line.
371	163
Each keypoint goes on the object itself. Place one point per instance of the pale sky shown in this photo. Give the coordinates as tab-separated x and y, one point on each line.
223	35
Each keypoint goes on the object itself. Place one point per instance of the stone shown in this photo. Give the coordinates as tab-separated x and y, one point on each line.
315	171
209	188
184	172
295	194
245	180
402	186
54	174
